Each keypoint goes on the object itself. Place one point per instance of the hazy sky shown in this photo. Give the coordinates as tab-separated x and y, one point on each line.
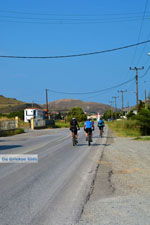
63	27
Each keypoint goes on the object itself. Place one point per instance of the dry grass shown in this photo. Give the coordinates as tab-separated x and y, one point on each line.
125	128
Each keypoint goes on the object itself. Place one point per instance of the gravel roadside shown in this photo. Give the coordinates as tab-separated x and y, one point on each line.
121	194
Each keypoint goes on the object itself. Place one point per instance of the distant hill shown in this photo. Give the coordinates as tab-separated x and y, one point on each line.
5	102
8	105
66	104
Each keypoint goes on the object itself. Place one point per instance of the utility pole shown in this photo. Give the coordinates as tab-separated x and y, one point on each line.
46	91
115	97
122	97
111	114
136	79
145	95
111	103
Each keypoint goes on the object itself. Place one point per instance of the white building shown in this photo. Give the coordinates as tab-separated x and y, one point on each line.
33	113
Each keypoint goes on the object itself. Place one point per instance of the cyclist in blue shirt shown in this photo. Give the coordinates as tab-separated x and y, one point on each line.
88	127
101	125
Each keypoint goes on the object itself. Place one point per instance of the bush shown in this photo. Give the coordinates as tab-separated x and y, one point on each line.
5	133
143	118
125	127
20	114
78	113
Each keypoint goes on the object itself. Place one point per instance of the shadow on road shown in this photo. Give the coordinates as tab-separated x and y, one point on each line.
103	137
81	144
7	147
93	144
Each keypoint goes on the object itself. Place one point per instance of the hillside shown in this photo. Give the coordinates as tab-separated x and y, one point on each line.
66	104
8	105
5	102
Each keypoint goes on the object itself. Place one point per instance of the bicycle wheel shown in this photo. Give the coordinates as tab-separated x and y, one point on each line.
73	141
101	133
89	139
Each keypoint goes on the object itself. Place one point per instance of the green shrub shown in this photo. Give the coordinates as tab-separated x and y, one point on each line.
78	113
143	119
5	133
125	127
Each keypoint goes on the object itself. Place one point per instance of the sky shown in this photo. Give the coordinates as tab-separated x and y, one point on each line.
54	28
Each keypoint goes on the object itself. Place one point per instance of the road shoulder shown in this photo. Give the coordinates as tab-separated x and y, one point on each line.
121	193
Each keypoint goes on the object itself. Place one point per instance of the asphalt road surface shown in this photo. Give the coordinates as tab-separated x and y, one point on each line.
54	190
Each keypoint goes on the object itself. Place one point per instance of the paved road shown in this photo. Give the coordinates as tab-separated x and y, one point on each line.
54	190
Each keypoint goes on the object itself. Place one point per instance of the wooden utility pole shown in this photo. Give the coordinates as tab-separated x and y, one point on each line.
115	101
122	97
46	91
145	95
136	79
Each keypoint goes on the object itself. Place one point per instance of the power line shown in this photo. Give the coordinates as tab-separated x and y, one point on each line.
74	55
54	14
92	92
145	72
71	19
68	22
140	31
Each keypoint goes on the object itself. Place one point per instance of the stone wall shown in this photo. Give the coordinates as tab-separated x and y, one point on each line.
7	125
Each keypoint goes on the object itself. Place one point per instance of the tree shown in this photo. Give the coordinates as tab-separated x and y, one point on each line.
77	113
108	115
20	114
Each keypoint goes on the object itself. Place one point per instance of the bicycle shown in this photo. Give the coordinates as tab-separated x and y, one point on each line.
89	138
101	133
74	140
101	130
74	137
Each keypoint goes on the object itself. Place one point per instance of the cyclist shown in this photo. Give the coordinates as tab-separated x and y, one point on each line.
88	127
74	127
101	125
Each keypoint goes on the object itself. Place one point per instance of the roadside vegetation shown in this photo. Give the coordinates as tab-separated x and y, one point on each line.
78	113
6	133
125	128
75	112
12	115
143	138
64	124
132	124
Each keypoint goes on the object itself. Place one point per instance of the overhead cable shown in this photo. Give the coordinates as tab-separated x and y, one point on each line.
74	55
145	72
140	30
54	14
91	92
